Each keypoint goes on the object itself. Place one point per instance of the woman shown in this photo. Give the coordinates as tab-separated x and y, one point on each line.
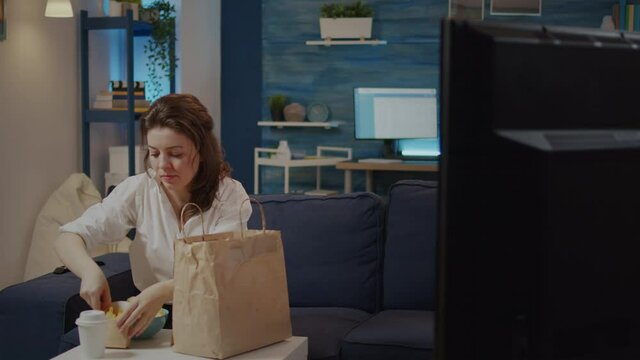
185	164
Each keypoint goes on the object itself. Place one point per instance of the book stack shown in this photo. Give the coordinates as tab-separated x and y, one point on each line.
103	101
625	15
119	90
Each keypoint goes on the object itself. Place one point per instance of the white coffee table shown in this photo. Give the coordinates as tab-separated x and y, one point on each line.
159	347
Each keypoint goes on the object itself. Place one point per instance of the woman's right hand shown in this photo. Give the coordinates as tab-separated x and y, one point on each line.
94	288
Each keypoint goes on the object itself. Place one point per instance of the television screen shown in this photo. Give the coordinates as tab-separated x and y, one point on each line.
395	113
540	193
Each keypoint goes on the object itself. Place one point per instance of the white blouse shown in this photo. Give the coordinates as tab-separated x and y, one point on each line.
140	202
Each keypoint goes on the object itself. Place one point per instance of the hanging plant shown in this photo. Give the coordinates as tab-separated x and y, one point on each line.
160	50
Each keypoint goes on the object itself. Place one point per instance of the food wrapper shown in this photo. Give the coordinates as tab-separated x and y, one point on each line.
115	339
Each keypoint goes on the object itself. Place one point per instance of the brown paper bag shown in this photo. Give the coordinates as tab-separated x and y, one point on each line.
230	292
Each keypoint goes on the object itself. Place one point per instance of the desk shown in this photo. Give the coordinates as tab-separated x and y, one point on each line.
348	166
159	347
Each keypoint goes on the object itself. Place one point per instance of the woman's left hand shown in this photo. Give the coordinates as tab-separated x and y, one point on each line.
144	308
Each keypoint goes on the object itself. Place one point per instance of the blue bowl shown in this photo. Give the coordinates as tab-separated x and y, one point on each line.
156	324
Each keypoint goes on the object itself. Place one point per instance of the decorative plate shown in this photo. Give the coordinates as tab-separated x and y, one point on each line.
317	112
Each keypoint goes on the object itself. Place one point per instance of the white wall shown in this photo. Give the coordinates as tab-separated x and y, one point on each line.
40	109
199	52
40	120
39	116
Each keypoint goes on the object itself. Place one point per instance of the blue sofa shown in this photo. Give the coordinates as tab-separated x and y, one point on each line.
360	271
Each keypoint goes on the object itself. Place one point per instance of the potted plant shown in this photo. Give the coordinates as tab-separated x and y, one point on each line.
350	21
160	50
277	102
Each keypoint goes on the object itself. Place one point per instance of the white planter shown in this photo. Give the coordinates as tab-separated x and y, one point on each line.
345	28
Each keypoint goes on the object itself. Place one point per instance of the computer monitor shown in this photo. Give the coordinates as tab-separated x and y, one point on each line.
539	206
392	114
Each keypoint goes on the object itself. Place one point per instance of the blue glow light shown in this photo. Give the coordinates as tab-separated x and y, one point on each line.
419	147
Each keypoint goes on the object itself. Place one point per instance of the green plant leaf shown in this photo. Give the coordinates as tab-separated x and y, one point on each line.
160	49
339	10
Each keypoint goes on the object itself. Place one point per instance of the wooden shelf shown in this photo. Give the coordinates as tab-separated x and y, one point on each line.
110	115
282	124
346	42
140	28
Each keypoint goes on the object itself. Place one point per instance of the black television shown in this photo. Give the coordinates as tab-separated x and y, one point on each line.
539	206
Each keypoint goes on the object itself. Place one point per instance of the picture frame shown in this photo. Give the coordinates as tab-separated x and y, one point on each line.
516	7
3	21
466	9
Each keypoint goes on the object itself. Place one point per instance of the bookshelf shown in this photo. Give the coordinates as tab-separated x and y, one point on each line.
128	116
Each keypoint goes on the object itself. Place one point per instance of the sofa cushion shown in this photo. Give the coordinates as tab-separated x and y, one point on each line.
332	247
325	327
69	340
65	204
392	334
410	246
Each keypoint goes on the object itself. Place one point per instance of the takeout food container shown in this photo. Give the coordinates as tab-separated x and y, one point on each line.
115	339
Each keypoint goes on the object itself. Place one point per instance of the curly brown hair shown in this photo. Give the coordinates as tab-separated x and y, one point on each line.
185	114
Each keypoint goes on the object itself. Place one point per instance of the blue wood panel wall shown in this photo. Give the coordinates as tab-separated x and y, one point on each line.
328	74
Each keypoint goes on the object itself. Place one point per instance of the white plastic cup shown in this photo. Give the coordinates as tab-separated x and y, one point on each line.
92	328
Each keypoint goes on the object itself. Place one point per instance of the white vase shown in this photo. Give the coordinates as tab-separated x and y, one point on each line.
283	152
607	23
294	112
345	28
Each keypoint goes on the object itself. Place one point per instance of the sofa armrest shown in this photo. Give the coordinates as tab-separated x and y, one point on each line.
32	313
